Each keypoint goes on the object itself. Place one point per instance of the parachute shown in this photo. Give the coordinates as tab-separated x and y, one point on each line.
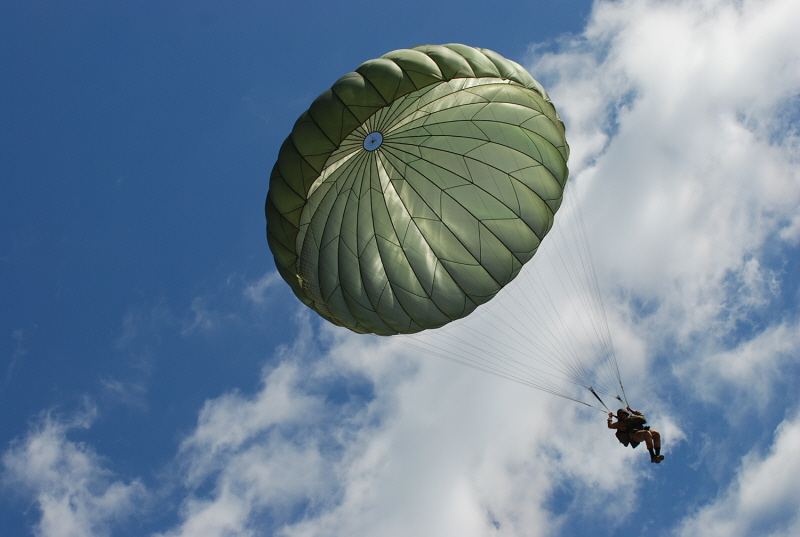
413	191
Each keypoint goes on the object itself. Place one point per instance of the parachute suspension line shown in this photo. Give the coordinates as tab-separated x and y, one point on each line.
569	261
605	337
609	365
558	357
561	342
497	357
568	367
553	336
578	268
565	332
598	398
502	353
479	366
623	395
551	363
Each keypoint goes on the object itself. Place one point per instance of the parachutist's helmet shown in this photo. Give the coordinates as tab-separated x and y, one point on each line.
622	412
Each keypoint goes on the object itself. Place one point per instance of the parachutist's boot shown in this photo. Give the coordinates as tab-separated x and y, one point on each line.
653	457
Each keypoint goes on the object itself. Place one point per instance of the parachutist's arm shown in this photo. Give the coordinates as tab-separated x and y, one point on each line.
632	411
616	425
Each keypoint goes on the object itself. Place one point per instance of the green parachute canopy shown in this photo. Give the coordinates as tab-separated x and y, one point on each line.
415	188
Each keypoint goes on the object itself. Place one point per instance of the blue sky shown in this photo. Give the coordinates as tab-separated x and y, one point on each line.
158	378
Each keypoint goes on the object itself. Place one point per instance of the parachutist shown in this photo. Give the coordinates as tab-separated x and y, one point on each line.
631	429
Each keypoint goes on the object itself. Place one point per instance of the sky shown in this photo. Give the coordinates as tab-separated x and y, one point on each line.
157	377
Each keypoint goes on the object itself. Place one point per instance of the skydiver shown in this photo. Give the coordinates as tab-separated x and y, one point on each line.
631	429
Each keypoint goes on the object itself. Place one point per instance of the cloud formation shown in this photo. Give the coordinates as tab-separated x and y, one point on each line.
762	500
405	447
68	482
676	113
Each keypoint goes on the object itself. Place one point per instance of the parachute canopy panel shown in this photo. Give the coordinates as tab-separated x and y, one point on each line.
415	188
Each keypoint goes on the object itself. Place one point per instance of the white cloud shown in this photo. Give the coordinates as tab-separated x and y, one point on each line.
762	501
229	423
69	483
220	309
257	292
261	455
755	368
674	113
203	318
130	394
435	449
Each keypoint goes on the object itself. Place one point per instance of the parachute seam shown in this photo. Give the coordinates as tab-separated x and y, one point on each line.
358	253
352	171
487	103
391	284
405	254
439	263
480	188
475	123
346	295
439	219
368	165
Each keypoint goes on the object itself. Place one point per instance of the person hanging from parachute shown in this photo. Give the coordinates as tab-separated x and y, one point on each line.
631	429
415	189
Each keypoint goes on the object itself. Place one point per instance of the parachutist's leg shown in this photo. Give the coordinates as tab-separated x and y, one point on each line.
647	438
653	441
656	441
